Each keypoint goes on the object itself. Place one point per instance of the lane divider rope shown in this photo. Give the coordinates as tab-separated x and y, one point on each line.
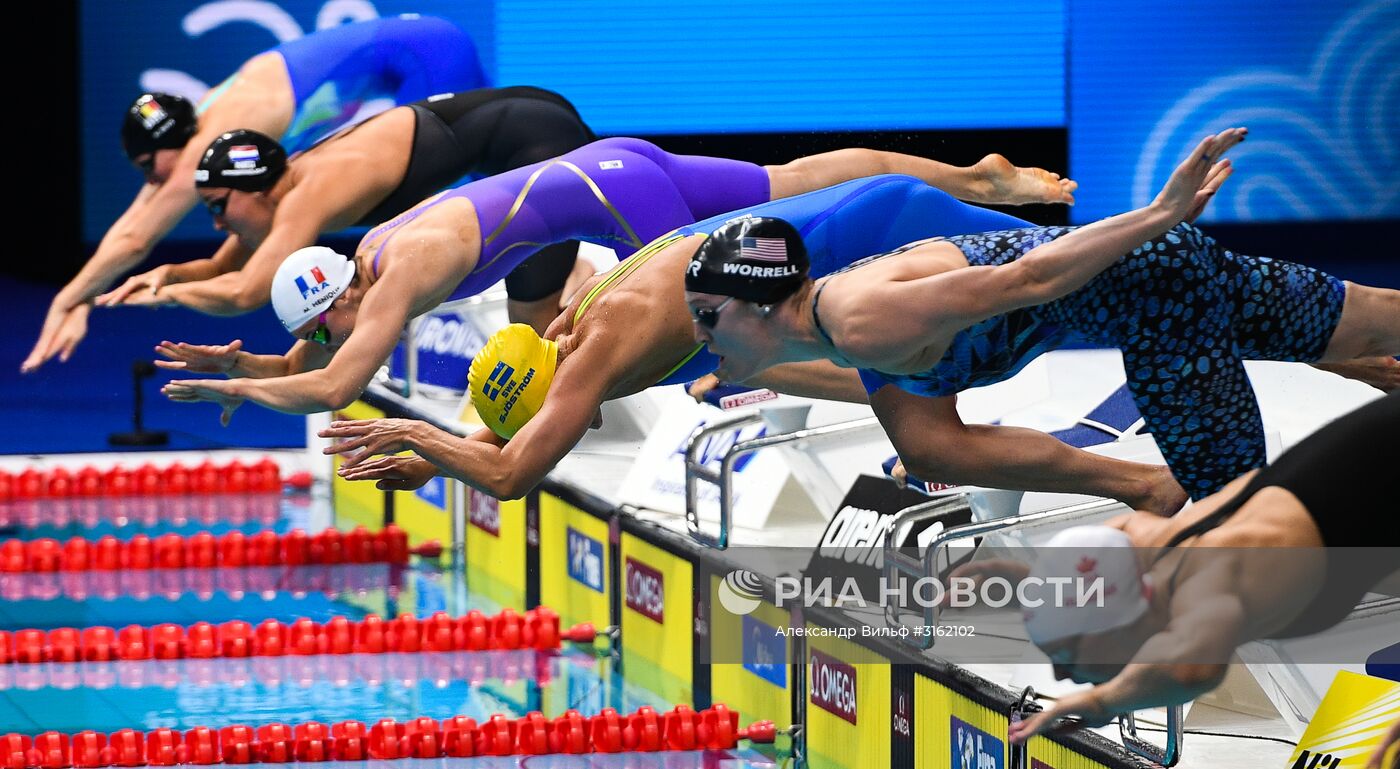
117	481
682	728
536	629
204	550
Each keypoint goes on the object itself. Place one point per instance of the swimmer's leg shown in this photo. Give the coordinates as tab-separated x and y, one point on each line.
1295	313
1170	308
536	287
1198	403
992	180
1369	326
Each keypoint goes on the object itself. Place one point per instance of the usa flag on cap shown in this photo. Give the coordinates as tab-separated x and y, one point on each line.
763	249
311	283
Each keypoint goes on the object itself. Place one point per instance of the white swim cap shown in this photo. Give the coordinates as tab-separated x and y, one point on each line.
1085	554
307	282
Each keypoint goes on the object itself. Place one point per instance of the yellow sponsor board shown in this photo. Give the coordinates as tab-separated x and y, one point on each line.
427	513
356	503
574	558
848	704
657	619
951	730
1349	724
751	672
495	549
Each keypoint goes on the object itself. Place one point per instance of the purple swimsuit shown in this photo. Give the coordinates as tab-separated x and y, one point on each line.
619	193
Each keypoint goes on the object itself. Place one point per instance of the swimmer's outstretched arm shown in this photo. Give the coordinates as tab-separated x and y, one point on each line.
1184	661
382	314
233	361
144	289
992	180
301	217
935	444
812	379
155	211
486	462
1046	272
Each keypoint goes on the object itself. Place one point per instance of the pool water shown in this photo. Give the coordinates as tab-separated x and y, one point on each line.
181	694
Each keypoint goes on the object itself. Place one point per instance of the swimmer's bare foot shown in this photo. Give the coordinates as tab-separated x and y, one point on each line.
1381	372
1018	186
1163	495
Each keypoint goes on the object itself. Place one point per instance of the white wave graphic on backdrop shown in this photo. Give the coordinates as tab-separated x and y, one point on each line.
1322	145
263	13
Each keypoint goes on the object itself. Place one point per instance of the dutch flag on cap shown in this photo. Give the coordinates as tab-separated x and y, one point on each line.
243	153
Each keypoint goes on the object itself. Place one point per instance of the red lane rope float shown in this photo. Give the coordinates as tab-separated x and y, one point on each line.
236	509
205	551
236	582
339	671
176	478
536	629
682	728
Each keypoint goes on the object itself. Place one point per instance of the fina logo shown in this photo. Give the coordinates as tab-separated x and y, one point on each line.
974	748
740	592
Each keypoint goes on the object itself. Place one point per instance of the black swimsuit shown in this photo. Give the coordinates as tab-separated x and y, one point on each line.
1342	474
481	132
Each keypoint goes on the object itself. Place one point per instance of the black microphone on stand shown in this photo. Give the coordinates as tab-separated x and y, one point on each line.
140	436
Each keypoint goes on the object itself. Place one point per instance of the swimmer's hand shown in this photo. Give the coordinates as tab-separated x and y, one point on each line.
1391	741
220	391
1086	709
140	289
1199	176
393	473
898	474
700	387
62	332
981	571
1015	186
199	358
369	437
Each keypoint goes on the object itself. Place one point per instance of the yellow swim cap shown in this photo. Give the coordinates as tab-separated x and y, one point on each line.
510	377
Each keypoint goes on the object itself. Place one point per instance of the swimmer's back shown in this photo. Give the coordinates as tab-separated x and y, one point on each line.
335	72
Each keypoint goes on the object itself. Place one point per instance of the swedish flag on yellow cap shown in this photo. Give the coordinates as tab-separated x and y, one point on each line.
510	377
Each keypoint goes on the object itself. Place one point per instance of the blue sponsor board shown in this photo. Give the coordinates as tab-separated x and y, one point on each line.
974	748
446	345
765	652
434	492
585	559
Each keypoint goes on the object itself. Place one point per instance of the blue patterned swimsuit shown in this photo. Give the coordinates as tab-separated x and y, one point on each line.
1185	313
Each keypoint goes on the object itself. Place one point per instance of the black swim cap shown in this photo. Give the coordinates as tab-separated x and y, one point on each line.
241	160
757	259
157	121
